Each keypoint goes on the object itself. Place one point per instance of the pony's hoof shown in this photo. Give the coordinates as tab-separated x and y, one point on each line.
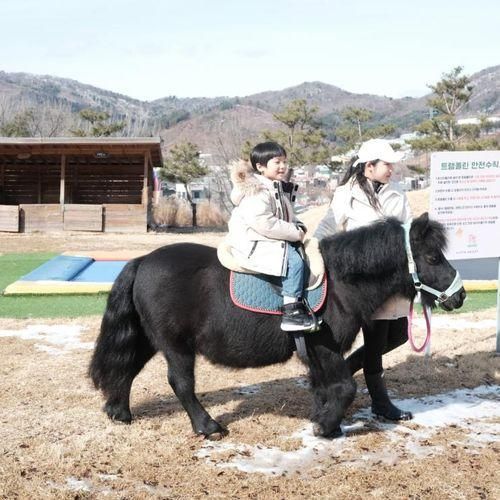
217	436
336	433
213	431
319	432
406	415
118	413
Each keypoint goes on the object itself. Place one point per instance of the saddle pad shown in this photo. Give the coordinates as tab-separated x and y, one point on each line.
262	293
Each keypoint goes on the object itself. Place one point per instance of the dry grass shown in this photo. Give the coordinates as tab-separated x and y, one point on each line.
55	441
79	241
165	210
210	215
173	211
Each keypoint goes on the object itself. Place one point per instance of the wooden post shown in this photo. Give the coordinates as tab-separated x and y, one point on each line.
39	185
151	178
2	183
63	182
498	309
74	192
145	180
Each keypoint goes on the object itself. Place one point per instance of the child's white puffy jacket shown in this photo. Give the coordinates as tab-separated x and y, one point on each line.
261	223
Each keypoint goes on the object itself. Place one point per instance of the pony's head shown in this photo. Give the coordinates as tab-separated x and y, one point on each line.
428	242
375	255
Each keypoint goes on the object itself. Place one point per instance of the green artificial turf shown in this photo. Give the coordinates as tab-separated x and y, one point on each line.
13	266
476	301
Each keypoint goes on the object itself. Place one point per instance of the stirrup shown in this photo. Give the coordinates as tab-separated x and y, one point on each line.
295	318
316	322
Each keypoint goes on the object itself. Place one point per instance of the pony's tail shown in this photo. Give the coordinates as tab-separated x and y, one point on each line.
119	338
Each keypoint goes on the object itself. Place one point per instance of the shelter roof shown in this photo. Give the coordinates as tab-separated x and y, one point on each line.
82	146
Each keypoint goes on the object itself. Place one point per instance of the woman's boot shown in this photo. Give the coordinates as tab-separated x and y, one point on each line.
381	403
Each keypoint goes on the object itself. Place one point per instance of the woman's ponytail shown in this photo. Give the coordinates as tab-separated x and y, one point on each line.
357	170
351	170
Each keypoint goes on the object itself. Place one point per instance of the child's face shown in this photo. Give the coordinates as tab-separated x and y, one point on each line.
276	168
380	171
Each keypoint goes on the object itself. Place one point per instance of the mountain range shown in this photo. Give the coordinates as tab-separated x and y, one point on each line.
220	124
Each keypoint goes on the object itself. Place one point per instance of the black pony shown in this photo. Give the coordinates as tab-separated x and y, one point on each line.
176	300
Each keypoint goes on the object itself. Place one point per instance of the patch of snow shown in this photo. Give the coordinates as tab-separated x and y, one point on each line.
108	477
248	389
64	337
469	409
75	484
83	485
302	382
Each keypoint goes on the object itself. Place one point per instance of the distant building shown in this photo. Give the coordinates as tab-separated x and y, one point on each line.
477	121
199	191
322	172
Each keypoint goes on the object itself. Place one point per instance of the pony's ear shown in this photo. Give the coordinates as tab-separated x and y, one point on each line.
420	226
424	229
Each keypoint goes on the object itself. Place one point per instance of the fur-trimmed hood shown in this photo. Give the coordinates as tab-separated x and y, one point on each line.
245	181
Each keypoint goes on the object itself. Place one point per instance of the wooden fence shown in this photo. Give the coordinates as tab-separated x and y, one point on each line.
119	218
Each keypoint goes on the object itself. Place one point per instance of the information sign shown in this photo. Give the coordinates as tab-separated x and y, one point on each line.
465	197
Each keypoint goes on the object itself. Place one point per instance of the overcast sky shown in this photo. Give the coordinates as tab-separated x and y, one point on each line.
149	49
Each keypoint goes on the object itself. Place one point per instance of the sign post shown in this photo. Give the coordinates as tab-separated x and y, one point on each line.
465	198
498	309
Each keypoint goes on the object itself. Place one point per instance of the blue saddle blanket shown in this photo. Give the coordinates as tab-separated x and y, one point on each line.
262	293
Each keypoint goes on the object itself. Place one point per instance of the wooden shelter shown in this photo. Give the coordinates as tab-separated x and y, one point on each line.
77	184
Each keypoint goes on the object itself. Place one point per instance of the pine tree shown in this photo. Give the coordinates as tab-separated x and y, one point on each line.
183	165
441	131
97	124
303	137
354	129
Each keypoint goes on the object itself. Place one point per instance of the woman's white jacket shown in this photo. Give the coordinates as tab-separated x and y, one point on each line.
261	222
351	209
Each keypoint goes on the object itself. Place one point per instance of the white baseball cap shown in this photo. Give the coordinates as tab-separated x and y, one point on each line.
377	149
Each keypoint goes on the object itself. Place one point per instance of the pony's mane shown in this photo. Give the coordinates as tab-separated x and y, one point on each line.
376	249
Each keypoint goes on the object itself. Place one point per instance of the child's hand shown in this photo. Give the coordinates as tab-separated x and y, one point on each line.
302	234
300	225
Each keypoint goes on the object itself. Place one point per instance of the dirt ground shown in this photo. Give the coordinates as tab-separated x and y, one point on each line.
55	442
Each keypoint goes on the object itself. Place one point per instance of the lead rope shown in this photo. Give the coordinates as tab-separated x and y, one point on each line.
427	316
412	269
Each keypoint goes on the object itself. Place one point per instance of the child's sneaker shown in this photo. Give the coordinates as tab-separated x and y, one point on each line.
296	318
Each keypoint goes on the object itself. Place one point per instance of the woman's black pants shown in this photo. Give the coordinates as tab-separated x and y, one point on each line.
380	337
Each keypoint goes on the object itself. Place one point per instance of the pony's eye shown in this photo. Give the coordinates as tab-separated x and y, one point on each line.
432	259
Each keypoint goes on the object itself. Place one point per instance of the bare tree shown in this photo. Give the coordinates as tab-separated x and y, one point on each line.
231	135
22	118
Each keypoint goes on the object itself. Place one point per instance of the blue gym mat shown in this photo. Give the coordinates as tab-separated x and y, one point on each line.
59	268
68	274
104	271
68	268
